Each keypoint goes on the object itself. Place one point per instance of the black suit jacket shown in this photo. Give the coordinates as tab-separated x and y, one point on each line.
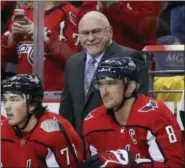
74	106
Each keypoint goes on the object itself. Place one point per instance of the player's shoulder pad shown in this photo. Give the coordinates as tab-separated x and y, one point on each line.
96	113
50	123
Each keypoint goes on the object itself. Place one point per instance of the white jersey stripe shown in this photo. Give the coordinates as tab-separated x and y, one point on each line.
154	150
51	160
143	160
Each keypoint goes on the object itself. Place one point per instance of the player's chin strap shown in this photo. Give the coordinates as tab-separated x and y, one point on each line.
18	129
126	83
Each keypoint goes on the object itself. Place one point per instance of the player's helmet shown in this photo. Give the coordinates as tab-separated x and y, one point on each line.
118	68
28	84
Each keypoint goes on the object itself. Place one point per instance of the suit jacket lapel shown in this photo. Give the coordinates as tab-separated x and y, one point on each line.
80	81
110	51
108	54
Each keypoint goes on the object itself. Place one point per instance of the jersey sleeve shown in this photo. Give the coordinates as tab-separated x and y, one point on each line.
9	53
165	140
141	15
87	146
67	150
90	150
86	7
64	42
57	50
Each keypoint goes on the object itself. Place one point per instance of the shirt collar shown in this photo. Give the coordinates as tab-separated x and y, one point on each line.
97	57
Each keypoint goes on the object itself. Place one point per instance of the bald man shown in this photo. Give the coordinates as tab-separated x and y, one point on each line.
79	97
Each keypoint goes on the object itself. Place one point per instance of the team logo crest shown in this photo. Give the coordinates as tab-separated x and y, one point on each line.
26	49
89	116
152	105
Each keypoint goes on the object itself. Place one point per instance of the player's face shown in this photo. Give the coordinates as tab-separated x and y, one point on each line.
15	107
111	91
94	36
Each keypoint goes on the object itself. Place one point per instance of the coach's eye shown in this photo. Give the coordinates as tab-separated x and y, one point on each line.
13	99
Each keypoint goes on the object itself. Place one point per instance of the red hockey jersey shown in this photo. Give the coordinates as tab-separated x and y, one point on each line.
2	117
44	146
61	23
151	132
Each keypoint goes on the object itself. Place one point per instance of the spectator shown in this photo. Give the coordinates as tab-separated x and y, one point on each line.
176	11
30	136
133	23
163	23
61	41
177	25
130	130
78	98
7	8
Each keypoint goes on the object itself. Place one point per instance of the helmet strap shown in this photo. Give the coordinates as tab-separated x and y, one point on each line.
18	129
126	83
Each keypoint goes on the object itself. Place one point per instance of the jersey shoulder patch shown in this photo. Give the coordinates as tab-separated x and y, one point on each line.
150	106
50	125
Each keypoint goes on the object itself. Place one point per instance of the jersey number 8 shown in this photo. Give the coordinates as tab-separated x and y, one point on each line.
171	134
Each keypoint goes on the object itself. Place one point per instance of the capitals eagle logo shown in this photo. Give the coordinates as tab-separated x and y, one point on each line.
151	105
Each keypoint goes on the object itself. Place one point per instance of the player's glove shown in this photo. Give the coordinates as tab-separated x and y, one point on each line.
110	159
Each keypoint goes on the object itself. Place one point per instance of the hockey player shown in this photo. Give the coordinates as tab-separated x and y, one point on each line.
30	136
130	129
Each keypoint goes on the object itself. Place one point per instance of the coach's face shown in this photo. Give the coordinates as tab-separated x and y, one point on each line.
94	35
